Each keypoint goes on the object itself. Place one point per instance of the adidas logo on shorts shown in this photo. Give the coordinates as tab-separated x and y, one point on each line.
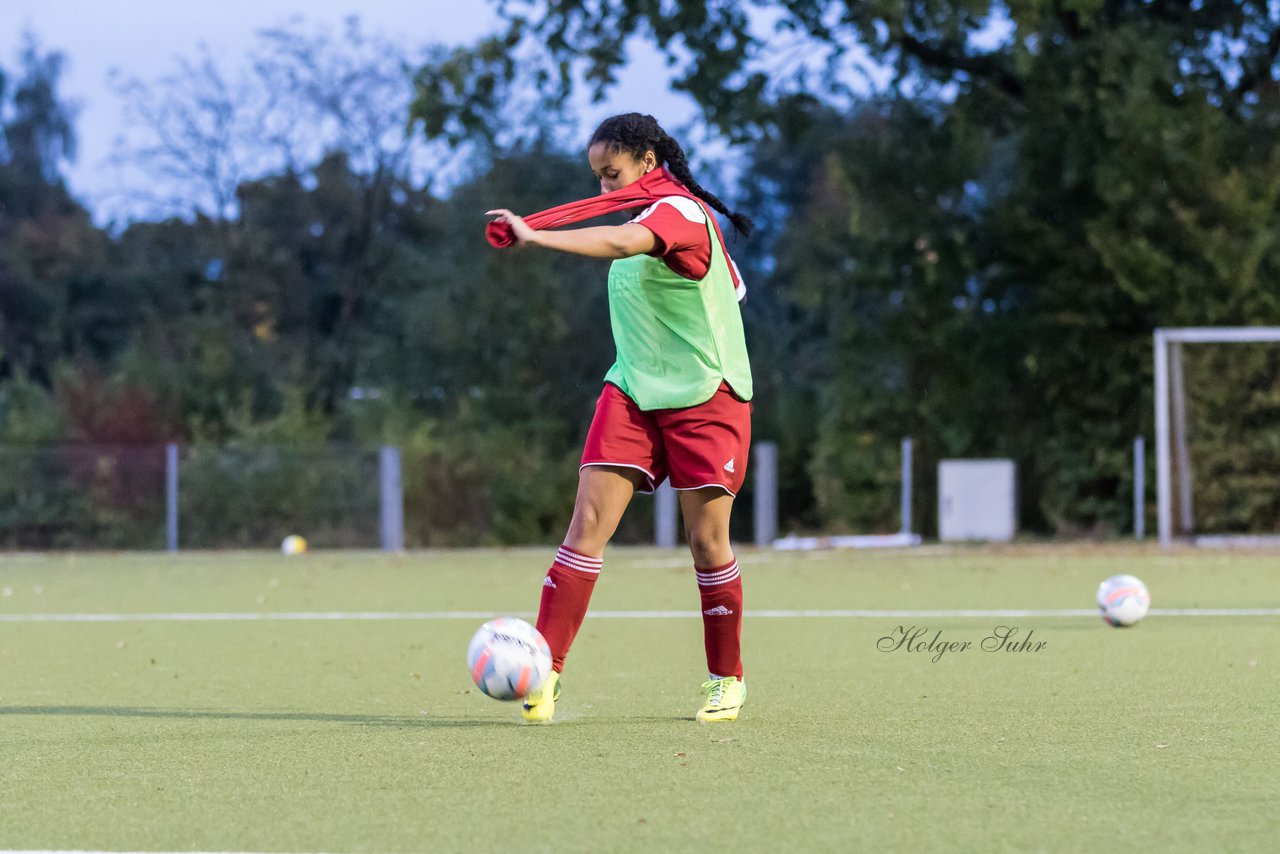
729	466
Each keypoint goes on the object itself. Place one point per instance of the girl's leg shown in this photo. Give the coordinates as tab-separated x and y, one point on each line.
603	495
706	518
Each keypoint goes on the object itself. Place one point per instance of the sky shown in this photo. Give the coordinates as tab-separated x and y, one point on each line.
143	39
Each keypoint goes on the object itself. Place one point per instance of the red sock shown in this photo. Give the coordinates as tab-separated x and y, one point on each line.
721	590
565	593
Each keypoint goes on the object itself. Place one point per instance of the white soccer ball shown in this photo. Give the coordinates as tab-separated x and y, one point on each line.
293	545
508	658
1123	600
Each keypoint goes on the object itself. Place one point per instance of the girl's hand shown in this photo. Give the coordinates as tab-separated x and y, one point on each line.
519	229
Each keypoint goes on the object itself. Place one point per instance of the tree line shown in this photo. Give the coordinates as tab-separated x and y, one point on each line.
973	254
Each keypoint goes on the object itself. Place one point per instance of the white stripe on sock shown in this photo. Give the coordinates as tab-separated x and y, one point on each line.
708	585
714	579
576	568
568	552
579	562
712	573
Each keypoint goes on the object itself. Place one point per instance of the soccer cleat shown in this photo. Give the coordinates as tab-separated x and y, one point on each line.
540	705
724	699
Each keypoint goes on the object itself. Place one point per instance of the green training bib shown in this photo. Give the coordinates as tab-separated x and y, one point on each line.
676	338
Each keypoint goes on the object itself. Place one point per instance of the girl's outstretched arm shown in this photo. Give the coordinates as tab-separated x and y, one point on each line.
602	241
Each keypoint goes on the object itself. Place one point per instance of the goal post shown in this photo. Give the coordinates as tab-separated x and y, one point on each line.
1171	414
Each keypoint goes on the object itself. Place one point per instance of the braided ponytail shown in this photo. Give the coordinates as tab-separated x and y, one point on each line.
637	133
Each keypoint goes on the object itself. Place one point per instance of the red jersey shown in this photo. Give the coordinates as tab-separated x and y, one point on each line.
681	239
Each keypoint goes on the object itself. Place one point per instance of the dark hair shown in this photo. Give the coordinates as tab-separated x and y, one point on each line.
636	133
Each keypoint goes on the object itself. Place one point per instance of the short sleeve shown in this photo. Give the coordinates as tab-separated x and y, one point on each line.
679	227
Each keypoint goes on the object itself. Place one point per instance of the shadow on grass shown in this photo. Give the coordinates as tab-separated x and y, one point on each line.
416	722
215	714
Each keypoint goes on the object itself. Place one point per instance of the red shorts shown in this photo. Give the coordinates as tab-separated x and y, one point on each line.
697	446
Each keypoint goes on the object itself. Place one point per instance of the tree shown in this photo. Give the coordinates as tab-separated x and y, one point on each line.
500	337
38	136
202	131
1081	172
51	303
741	61
301	167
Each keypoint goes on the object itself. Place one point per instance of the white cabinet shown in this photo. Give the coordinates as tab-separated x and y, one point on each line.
977	500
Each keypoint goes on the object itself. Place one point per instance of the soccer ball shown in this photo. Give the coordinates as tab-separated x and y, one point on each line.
293	545
1123	600
508	658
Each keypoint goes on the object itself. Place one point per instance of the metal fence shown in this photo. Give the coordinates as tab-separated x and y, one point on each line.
155	497
81	497
230	497
337	496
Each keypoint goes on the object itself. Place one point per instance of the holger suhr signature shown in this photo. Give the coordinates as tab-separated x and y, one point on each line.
918	639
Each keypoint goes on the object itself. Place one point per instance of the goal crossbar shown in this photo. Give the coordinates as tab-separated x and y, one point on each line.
1218	335
1172	431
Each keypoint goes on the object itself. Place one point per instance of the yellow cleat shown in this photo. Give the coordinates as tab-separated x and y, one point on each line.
540	705
724	699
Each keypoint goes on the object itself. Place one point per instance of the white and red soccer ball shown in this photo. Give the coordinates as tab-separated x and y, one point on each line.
508	658
1123	600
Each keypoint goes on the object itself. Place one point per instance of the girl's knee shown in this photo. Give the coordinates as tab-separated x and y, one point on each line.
708	544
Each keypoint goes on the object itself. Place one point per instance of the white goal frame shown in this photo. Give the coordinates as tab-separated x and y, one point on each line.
1171	423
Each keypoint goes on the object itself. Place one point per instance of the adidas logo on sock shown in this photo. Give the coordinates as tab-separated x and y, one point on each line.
547	582
718	611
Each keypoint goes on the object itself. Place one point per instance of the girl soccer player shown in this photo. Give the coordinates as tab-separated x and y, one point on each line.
676	402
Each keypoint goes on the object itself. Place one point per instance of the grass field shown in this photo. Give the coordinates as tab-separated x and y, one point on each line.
285	734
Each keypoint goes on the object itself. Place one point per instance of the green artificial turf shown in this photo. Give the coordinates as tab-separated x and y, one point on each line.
366	735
